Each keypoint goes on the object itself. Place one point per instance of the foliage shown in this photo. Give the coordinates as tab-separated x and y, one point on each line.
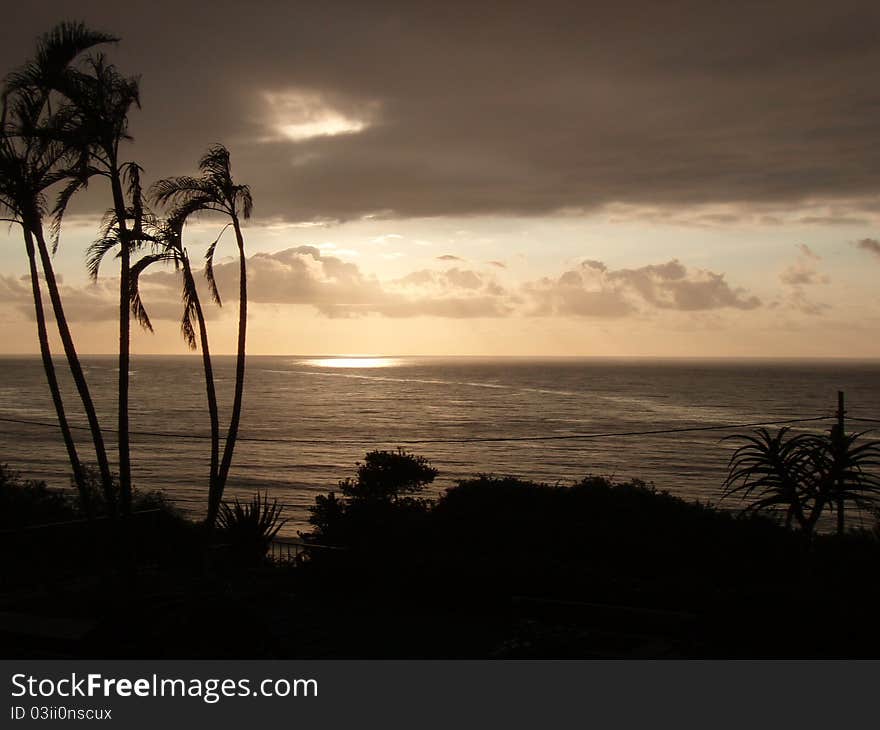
249	528
378	504
804	474
214	190
25	502
387	476
64	119
492	538
772	470
97	497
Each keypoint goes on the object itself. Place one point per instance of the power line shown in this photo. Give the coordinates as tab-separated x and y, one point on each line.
473	439
865	420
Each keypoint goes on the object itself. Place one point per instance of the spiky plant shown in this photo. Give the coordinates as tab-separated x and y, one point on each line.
772	471
846	468
804	474
249	528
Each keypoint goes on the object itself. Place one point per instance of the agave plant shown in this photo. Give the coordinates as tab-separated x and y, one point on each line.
249	528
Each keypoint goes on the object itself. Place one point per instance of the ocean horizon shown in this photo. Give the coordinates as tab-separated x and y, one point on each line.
308	419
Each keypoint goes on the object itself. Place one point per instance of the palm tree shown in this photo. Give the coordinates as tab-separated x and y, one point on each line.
33	134
805	474
101	98
845	473
215	190
774	469
169	248
18	199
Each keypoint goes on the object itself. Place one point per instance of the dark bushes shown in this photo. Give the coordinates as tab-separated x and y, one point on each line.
24	502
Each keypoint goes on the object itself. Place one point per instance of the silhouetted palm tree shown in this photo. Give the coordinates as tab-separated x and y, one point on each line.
18	200
846	468
170	249
33	144
774	469
805	474
101	98
215	190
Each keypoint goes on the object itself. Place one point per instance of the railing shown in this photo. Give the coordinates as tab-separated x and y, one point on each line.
293	549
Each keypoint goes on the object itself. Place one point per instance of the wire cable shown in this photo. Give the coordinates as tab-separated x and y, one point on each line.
460	440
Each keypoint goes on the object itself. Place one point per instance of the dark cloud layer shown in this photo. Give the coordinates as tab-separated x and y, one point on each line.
504	107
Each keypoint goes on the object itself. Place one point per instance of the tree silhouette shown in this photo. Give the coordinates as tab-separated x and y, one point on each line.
18	200
845	473
37	154
101	98
215	190
169	249
804	474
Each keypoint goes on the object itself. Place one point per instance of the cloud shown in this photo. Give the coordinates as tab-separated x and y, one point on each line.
299	115
15	289
306	275
89	303
498	264
808	252
449	257
309	276
871	245
534	108
594	290
803	273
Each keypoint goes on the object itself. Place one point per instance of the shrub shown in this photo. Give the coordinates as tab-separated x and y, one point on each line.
387	476
26	502
379	505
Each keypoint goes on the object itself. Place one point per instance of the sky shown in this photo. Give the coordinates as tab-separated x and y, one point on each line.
554	178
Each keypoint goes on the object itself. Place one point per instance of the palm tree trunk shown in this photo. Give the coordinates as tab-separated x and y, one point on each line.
52	379
124	343
75	366
232	434
213	498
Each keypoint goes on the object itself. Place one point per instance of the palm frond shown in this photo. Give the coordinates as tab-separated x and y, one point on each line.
209	267
190	297
137	306
95	254
62	200
245	199
176	190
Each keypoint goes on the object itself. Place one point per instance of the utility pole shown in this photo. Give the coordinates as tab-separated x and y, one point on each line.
838	446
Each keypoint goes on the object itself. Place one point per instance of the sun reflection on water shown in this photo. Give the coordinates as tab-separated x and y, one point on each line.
353	362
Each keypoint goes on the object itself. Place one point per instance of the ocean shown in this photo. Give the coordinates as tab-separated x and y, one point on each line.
318	416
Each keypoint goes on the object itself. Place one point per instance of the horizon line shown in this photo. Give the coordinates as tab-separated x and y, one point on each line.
830	358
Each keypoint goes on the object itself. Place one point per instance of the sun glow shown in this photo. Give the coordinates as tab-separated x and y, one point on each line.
302	115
